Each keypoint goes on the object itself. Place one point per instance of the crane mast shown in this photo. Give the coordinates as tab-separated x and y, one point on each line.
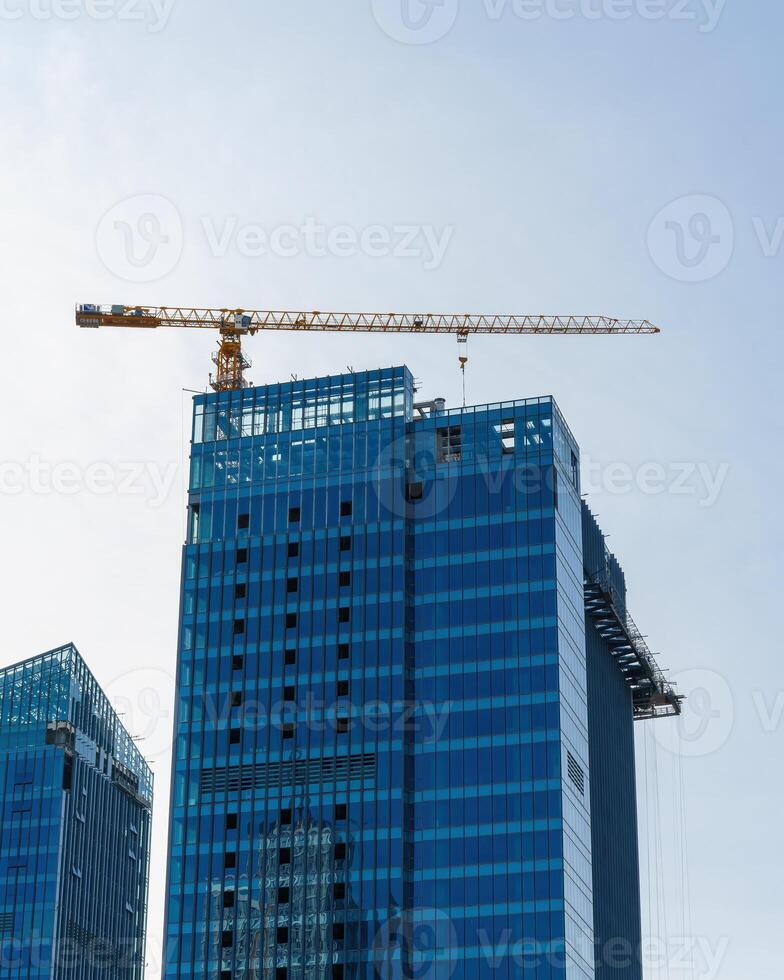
232	325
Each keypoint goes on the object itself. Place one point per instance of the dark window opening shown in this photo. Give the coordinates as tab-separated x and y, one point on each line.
338	930
291	620
283	935
290	657
575	473
285	817
344	614
294	515
237	661
293	549
228	899
282	973
242	556
236	699
285	855
227	939
287	729
230	859
194	528
345	542
341	725
340	851
234	736
345	578
449	443
232	819
289	693
240	590
292	584
339	891
239	627
414	491
346	508
342	689
338	971
243	522
343	651
283	895
341	811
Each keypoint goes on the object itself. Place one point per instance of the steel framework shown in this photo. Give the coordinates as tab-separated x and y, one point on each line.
653	696
233	324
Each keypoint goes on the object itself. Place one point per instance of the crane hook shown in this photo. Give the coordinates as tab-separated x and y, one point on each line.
462	338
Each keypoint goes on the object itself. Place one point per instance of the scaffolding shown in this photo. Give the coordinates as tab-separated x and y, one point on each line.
653	695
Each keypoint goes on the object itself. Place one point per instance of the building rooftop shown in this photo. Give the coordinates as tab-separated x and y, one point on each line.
54	697
360	396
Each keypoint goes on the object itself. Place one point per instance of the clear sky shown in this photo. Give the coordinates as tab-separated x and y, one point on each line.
582	156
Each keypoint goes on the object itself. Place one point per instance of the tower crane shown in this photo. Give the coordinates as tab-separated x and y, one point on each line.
232	325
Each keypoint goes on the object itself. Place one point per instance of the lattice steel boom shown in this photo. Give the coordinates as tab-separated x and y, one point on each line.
232	324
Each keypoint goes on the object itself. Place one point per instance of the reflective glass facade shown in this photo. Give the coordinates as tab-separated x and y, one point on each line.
616	866
75	803
381	746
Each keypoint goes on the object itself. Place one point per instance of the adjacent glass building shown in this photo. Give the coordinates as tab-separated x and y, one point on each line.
75	803
383	740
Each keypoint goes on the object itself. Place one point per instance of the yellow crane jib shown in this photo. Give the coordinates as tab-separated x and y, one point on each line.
232	324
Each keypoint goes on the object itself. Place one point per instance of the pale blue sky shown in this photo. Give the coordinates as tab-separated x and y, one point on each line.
539	155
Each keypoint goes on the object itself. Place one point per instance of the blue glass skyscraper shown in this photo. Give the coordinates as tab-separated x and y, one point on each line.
384	744
75	803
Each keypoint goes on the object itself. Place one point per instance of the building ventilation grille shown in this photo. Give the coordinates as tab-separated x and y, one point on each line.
78	934
576	773
6	923
88	940
294	772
